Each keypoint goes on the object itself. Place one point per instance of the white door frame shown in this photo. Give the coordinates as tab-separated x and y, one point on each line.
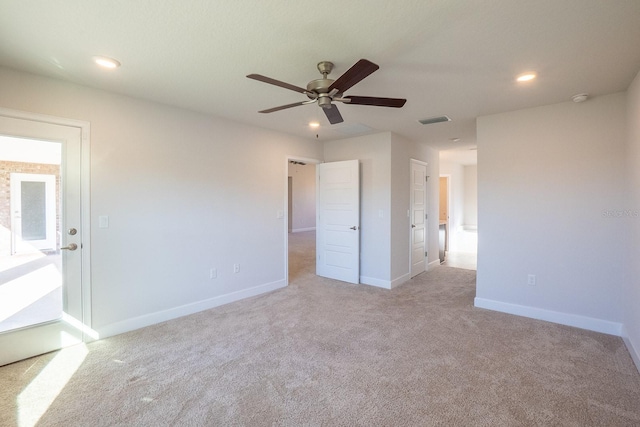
85	223
285	210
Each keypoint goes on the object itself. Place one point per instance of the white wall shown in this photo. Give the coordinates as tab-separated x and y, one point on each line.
402	151
546	177
384	174
303	196
184	192
470	202
631	223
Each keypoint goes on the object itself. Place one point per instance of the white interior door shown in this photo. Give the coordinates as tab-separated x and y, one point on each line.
29	283
338	221
418	217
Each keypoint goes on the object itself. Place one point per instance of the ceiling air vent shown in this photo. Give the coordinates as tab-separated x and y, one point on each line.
433	120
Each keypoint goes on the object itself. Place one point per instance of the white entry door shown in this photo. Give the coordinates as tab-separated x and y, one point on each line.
33	212
418	217
338	221
41	292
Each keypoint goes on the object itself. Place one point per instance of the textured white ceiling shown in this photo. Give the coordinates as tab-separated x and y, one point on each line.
451	57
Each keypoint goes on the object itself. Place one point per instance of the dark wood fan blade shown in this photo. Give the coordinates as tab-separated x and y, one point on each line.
378	102
283	107
275	82
353	75
333	114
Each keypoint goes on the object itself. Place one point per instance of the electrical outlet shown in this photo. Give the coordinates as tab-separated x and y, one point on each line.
531	280
213	273
236	268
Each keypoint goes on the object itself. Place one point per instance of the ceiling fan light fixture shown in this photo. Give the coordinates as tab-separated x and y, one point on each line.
324	101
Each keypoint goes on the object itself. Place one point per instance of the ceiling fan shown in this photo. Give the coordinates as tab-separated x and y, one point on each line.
325	91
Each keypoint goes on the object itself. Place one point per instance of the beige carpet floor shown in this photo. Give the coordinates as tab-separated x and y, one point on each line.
325	353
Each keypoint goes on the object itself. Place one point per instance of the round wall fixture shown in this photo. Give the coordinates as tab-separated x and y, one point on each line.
580	97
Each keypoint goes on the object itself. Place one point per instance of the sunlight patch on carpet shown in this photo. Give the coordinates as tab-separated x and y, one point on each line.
38	396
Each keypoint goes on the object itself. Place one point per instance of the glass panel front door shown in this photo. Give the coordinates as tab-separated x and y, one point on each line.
41	298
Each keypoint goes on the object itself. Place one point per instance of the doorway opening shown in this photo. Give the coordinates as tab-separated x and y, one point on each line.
30	264
458	216
300	239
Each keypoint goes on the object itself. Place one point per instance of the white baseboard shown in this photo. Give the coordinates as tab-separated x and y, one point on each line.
400	280
184	310
298	230
385	284
379	283
635	354
433	264
583	322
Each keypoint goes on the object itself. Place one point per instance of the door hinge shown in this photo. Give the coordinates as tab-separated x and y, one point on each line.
426	216
426	254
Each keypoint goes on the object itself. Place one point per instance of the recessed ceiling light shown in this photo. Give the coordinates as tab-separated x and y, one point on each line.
105	62
454	139
580	97
314	124
526	77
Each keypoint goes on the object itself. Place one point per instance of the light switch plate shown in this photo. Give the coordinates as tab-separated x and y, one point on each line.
103	221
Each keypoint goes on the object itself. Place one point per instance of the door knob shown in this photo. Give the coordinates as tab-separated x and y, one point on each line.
353	228
71	247
413	226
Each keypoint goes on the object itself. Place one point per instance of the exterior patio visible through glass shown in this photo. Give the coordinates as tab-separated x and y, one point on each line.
30	261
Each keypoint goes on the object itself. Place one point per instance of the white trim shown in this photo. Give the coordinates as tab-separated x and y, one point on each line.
25	115
85	195
378	283
433	264
402	279
186	309
583	322
299	230
385	284
635	354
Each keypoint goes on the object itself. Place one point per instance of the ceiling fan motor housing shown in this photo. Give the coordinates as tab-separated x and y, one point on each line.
318	86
